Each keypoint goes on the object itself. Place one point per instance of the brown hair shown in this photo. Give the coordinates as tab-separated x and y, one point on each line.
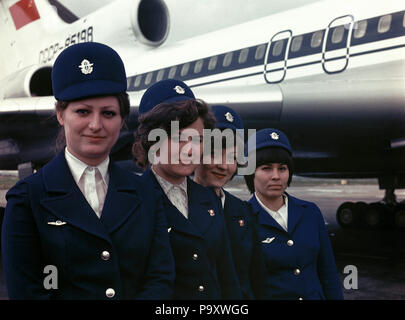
161	116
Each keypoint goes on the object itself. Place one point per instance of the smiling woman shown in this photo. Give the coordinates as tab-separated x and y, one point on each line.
98	226
91	127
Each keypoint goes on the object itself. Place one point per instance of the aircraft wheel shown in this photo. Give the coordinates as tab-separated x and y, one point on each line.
346	215
399	218
374	215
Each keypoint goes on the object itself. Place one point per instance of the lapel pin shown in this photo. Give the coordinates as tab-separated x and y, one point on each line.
169	229
56	223
211	212
241	222
268	240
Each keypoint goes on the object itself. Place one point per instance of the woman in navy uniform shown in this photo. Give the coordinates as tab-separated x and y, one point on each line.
240	221
98	228
295	243
203	260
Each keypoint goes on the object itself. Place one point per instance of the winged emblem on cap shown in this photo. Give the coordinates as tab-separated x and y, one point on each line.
229	116
86	67
179	90
274	136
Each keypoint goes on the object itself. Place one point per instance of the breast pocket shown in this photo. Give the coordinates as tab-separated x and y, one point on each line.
53	234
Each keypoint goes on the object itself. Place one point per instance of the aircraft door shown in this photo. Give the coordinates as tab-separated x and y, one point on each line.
275	60
336	44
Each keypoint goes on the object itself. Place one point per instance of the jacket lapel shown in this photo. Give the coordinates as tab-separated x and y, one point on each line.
201	210
175	218
294	213
121	199
264	218
66	201
232	211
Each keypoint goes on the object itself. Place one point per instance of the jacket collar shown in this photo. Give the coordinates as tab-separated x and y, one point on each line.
66	201
199	206
295	212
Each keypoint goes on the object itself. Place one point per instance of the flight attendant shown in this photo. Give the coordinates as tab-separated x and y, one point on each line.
82	227
295	243
240	221
203	259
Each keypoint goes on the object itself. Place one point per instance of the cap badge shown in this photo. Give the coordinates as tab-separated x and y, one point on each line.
241	222
179	90
86	67
274	136
211	212
229	116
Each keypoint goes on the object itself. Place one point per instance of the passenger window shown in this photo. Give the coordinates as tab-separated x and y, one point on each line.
337	34
360	29
160	75
384	23
198	66
316	39
403	21
296	43
277	48
185	68
148	78
260	51
172	72
212	63
228	59
138	81
243	55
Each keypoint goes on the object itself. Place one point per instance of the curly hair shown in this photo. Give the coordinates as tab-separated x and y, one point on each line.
185	112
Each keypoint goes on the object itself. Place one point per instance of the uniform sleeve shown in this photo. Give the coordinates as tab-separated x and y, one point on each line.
160	272
257	270
327	270
230	287
21	248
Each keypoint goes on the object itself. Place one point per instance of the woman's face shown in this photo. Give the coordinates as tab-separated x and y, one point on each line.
217	171
271	180
181	153
91	127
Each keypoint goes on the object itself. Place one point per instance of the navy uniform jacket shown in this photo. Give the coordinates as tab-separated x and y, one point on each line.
246	250
300	262
49	222
203	259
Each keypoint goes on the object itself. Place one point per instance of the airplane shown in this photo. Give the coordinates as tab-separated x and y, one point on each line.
330	74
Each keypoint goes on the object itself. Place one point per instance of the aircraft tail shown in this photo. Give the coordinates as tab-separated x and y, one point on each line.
22	23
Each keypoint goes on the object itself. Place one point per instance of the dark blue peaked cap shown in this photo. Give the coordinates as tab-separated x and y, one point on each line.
88	69
266	138
227	117
164	91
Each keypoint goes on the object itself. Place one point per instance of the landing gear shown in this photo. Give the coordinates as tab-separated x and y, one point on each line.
386	214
